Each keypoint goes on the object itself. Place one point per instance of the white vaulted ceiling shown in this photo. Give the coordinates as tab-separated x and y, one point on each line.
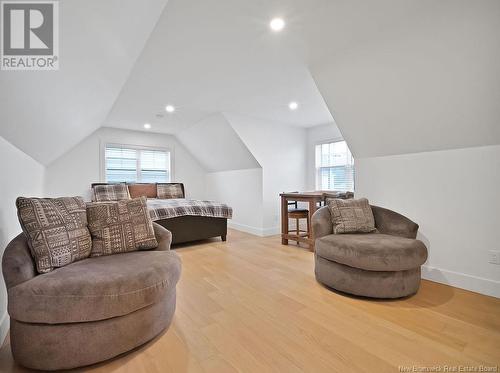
220	56
430	81
45	113
216	145
398	76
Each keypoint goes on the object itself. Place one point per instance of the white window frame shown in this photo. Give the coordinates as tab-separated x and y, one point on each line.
316	173
102	157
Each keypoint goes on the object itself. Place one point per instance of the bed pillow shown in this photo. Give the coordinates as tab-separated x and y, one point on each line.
142	190
168	191
111	192
351	215
120	226
56	230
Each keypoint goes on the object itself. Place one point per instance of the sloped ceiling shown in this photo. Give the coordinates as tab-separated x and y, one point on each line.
398	76
216	145
220	56
430	82
46	113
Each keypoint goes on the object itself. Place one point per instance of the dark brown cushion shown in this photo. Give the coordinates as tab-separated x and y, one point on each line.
56	230
168	191
351	215
372	251
96	288
142	190
110	192
120	226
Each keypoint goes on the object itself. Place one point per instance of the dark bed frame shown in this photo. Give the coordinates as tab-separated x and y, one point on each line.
191	228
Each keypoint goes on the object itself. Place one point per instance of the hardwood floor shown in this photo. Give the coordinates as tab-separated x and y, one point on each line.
253	305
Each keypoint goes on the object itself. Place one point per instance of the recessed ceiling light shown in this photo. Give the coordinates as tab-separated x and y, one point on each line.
277	24
293	105
170	108
147	126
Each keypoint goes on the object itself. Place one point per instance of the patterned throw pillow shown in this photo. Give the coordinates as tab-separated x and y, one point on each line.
167	191
111	192
351	215
120	226
56	230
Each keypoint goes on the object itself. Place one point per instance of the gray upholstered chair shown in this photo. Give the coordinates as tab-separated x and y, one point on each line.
385	264
90	310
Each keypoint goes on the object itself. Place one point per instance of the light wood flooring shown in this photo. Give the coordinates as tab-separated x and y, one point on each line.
253	305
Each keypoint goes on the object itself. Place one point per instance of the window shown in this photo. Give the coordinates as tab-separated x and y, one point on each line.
334	167
134	164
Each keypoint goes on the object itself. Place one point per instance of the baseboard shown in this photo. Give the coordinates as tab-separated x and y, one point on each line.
261	232
461	280
271	231
245	228
4	327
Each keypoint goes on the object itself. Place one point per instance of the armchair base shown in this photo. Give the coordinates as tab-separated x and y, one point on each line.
375	284
66	346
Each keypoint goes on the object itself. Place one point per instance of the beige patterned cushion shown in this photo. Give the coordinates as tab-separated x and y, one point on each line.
167	191
120	226
56	229
351	215
111	192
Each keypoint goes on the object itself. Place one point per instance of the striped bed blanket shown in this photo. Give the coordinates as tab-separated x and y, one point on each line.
170	208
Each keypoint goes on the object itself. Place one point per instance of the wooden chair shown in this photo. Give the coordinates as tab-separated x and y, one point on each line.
298	213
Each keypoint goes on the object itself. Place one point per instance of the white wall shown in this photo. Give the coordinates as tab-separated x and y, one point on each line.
454	196
242	190
21	176
72	173
281	152
316	135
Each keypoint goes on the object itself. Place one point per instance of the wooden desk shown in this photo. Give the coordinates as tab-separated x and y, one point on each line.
312	198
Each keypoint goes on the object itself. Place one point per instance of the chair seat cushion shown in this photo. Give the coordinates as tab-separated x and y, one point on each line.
298	210
96	288
372	251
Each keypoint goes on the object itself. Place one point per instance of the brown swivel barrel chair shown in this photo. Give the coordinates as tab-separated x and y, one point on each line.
90	310
384	264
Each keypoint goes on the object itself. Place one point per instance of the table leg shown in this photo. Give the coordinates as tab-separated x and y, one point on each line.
312	210
284	220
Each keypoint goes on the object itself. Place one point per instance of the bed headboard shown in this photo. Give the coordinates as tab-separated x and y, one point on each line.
138	184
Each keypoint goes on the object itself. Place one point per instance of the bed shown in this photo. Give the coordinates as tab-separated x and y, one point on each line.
191	220
188	219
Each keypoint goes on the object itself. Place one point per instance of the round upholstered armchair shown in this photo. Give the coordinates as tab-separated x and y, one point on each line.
90	310
382	264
